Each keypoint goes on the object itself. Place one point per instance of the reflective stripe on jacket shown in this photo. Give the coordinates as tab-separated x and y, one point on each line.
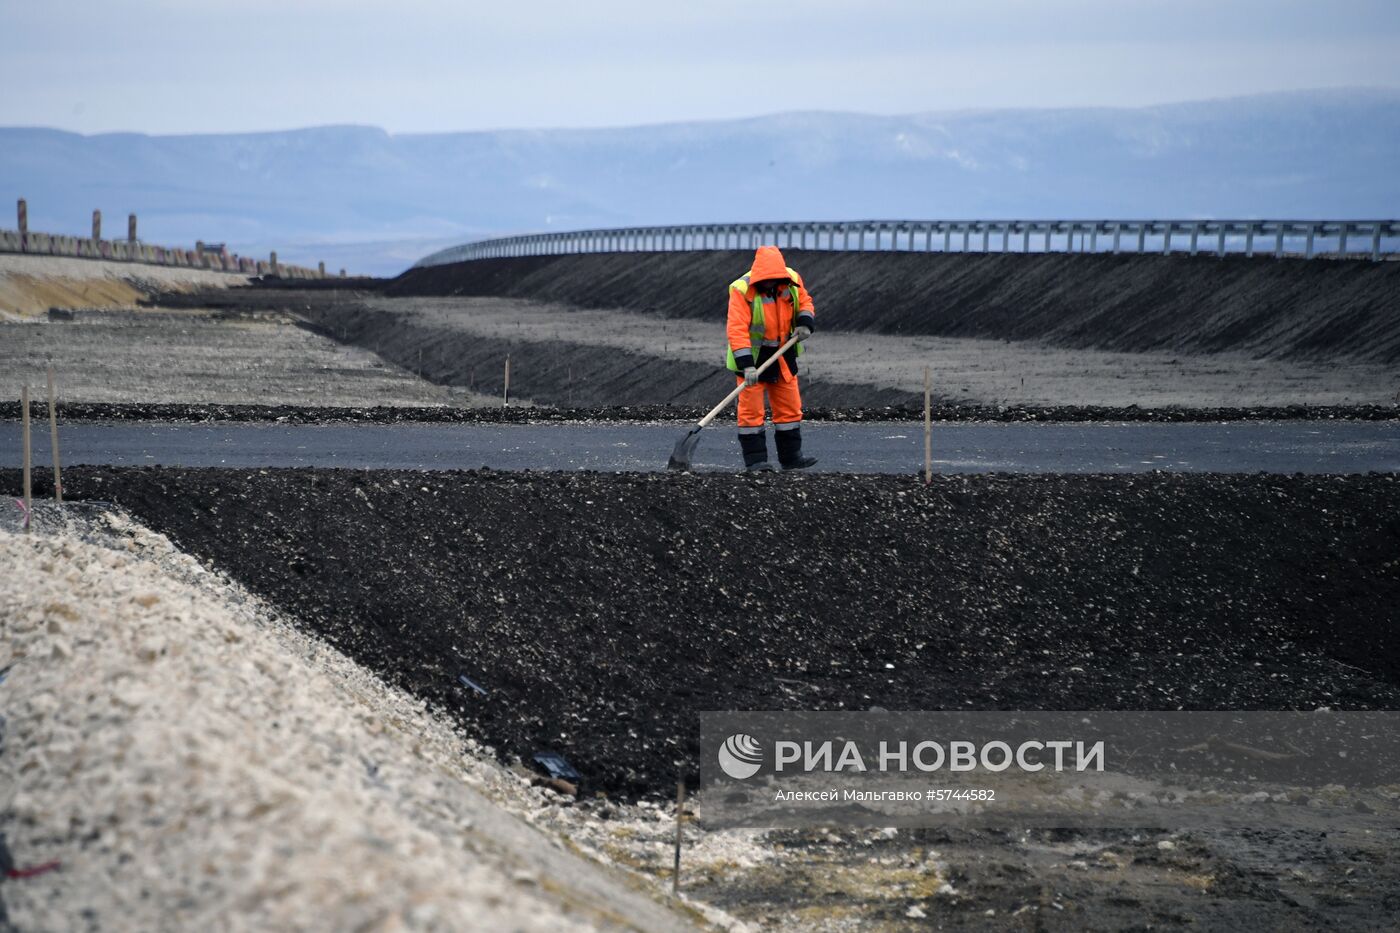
755	325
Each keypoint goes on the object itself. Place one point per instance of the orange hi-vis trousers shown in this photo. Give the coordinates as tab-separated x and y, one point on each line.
783	398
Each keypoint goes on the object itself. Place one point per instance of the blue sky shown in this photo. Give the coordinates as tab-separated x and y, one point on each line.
175	66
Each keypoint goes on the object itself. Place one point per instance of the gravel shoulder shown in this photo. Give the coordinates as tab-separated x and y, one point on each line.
192	760
204	357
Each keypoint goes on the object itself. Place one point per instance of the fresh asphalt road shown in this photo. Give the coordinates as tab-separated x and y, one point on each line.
1236	447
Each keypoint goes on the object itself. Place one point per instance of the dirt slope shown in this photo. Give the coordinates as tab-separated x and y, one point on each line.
599	612
30	285
1289	308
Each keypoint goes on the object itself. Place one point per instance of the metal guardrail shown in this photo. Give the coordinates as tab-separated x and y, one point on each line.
1307	238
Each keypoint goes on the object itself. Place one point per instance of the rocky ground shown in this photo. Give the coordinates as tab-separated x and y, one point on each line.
594	614
599	611
484	412
177	756
199	356
1188	306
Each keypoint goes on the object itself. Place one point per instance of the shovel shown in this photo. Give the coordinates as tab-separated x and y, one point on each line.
685	447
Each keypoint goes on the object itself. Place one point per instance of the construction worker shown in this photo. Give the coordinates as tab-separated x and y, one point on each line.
767	305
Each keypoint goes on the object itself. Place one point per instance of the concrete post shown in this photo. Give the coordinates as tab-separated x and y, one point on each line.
97	225
23	211
272	263
131	228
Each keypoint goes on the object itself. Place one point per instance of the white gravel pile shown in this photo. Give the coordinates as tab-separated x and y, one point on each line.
193	761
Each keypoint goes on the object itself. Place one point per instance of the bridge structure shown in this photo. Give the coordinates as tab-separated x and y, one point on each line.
1309	239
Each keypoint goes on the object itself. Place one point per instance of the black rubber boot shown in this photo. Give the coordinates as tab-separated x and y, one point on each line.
789	444
755	448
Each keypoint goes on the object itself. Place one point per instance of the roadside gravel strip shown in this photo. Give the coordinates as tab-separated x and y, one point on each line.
99	412
192	761
164	359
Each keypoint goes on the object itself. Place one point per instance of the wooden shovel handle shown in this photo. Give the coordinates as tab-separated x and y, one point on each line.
737	389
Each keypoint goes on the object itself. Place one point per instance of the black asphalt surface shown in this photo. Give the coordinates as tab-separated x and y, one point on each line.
890	447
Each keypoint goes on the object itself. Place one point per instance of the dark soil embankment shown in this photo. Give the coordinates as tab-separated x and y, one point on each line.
599	613
1289	308
570	374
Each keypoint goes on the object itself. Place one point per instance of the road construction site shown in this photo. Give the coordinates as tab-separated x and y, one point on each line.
552	603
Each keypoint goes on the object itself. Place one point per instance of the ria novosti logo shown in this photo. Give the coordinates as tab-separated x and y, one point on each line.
740	756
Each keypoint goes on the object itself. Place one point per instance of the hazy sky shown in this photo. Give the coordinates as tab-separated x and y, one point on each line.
178	66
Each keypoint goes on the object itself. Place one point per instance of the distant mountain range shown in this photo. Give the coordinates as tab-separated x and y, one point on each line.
374	202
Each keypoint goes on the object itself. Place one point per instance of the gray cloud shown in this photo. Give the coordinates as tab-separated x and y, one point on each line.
425	65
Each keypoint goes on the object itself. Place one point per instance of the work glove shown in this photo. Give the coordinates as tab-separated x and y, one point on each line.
751	376
803	333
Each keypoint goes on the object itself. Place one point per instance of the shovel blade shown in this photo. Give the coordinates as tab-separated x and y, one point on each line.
685	448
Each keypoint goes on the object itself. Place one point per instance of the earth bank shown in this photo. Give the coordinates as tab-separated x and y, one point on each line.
599	612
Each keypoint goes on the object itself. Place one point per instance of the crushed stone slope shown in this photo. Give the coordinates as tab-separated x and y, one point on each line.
193	761
1261	306
600	611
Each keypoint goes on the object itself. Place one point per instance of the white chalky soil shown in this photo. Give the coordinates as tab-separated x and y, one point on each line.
194	762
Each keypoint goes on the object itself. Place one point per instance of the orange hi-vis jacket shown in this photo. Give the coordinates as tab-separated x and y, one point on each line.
757	327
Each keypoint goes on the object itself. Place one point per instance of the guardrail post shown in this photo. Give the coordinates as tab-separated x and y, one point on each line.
1278	243
1167	239
986	232
1005	238
1049	231
1142	237
1249	239
947	238
1376	242
1342	240
1220	243
1117	237
1195	235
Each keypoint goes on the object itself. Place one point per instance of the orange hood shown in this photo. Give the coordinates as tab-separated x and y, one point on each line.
768	264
